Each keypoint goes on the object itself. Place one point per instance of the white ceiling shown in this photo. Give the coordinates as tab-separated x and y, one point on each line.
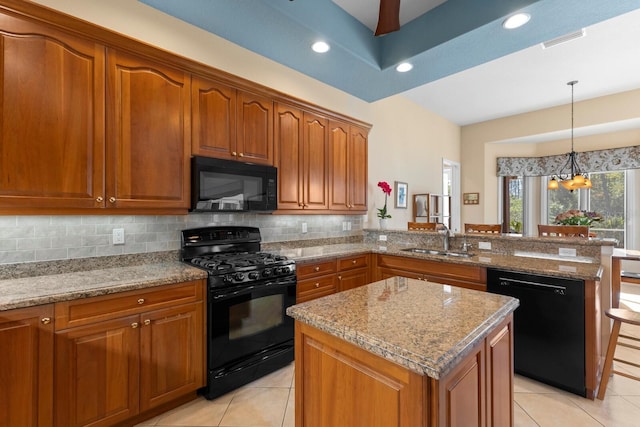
605	61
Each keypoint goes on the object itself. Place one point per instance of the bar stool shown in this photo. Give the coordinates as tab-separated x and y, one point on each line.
619	317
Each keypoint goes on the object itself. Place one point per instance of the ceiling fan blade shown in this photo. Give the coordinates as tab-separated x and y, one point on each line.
389	17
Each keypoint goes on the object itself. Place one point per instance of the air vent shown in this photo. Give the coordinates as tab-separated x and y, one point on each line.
563	39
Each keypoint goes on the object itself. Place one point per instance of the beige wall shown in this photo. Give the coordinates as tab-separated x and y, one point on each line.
482	143
407	143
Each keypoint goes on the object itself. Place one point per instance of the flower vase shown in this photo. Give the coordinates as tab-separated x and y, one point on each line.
383	223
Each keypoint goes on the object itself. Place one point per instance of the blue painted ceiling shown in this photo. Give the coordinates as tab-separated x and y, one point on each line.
455	36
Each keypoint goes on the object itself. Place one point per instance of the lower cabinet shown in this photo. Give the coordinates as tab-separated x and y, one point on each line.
341	384
26	370
123	354
321	278
353	272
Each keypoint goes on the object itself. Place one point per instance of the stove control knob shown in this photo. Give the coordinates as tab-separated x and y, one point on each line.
238	276
228	278
267	272
282	270
254	275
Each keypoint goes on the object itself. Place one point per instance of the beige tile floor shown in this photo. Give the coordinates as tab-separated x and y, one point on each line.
269	401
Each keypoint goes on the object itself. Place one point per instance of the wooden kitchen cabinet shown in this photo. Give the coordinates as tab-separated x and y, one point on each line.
148	134
120	355
315	279
465	276
51	118
353	271
302	160
229	123
348	167
26	370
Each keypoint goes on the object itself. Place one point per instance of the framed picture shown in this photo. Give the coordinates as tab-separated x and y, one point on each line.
471	198
402	191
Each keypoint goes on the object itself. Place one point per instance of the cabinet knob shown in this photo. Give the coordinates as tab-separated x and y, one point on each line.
147	322
99	199
317	285
45	320
339	277
317	268
233	153
141	301
354	262
112	199
134	325
241	155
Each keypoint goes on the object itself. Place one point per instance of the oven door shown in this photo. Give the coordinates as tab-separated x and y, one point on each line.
248	319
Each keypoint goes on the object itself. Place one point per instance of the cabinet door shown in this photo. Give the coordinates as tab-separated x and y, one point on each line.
51	118
148	134
213	115
288	156
499	351
172	361
353	279
96	373
315	154
26	367
255	128
358	172
339	168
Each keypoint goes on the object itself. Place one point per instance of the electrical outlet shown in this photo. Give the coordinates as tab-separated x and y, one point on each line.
118	236
304	227
484	245
349	225
344	225
566	252
382	238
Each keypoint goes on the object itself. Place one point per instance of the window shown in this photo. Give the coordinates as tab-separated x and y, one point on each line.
606	197
513	204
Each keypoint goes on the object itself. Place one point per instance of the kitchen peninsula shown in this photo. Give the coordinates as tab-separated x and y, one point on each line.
402	352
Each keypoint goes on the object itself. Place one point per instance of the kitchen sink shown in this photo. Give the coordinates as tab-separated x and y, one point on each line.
437	252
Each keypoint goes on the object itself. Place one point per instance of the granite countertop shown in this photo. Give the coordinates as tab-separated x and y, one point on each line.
426	327
45	289
575	268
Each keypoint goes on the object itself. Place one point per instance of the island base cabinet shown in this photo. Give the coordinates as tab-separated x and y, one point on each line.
26	375
340	384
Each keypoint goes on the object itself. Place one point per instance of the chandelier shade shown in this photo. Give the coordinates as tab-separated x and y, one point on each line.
570	176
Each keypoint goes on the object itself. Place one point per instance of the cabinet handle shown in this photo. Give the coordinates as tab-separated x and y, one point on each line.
45	320
99	199
317	285
134	325
112	199
141	301
317	268
241	155
233	153
147	322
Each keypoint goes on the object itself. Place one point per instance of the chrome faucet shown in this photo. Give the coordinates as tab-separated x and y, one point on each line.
446	233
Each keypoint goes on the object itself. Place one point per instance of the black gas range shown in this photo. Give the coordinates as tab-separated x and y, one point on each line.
248	332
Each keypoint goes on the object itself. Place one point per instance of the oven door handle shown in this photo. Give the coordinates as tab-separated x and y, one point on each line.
220	295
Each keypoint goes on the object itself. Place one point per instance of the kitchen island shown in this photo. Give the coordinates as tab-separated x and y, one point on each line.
404	352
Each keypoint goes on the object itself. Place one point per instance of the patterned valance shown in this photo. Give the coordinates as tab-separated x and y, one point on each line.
614	159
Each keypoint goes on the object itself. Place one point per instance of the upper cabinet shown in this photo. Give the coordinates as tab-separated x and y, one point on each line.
229	123
302	159
348	167
51	118
148	134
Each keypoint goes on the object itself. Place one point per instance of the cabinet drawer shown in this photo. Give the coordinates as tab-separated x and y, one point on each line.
314	269
357	261
89	310
314	288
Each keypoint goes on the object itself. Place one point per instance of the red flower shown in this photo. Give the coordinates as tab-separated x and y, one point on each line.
386	188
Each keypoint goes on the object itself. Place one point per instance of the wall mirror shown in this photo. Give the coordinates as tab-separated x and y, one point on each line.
420	213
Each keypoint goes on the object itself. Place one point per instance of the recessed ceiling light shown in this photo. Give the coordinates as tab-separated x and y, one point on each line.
320	47
404	67
516	21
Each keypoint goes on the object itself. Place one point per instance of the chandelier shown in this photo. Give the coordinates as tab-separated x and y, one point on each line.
570	175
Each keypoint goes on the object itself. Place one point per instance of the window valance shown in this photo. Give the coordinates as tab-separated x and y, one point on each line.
613	159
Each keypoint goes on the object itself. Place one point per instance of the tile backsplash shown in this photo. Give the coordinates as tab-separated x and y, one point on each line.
45	238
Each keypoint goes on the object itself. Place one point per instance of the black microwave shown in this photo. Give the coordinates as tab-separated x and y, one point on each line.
227	186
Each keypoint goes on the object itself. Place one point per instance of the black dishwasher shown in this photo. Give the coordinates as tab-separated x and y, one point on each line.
548	327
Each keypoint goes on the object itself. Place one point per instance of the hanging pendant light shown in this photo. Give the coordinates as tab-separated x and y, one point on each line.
571	176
